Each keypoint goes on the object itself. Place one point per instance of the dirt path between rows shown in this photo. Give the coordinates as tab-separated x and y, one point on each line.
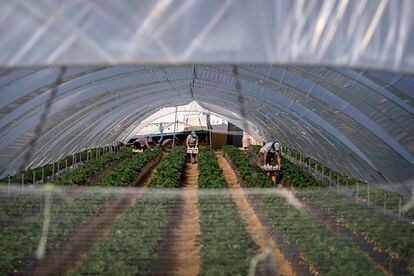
180	253
254	227
71	253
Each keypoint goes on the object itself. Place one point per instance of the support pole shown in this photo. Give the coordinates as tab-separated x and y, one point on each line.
34	176
175	126
357	192
53	171
399	206
66	164
43	175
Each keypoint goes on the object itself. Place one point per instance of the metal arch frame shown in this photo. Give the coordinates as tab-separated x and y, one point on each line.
282	122
106	81
83	136
350	111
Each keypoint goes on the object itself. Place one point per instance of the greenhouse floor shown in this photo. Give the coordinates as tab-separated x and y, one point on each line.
190	230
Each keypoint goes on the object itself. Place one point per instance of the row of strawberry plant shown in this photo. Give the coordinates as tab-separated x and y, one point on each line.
16	205
210	174
18	242
292	174
389	236
170	169
325	252
128	170
49	169
251	174
226	247
130	247
377	196
84	172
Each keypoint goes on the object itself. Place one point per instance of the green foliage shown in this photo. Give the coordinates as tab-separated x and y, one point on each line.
226	247
18	242
330	252
170	169
210	173
84	172
392	237
251	174
126	172
297	177
130	247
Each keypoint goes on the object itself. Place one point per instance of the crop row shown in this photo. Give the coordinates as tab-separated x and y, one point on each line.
251	174
210	173
170	169
21	204
377	196
130	247
128	169
18	242
390	236
226	247
48	170
326	252
84	172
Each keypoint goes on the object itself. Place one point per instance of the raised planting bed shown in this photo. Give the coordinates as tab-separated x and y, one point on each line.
128	170
170	169
387	235
130	247
226	246
18	242
324	251
85	172
250	174
210	173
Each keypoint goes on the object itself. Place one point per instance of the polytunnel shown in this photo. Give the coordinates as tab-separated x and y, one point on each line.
358	122
330	80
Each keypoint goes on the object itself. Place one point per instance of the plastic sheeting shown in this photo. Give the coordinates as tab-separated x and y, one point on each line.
358	122
357	33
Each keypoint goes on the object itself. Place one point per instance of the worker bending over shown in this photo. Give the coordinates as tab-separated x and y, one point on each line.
192	140
142	142
270	154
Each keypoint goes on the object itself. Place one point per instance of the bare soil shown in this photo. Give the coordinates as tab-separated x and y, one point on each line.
254	227
179	253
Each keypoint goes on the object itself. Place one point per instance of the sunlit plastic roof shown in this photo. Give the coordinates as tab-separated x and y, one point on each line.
357	121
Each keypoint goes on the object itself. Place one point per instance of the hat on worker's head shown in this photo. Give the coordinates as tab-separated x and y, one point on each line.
193	133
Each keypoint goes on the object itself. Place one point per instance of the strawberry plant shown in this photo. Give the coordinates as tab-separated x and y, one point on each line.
210	173
130	247
392	237
226	247
251	174
170	169
18	242
126	172
325	251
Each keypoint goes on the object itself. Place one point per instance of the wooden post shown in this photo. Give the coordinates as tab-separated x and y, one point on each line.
43	175
34	176
58	166
330	178
66	164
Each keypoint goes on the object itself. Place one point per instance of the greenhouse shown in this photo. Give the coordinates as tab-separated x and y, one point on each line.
207	137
